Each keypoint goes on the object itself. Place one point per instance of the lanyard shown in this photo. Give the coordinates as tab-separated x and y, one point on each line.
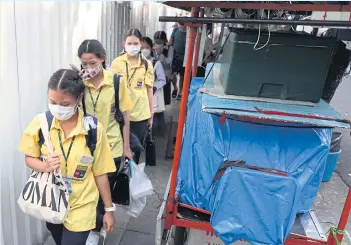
96	101
129	79
63	150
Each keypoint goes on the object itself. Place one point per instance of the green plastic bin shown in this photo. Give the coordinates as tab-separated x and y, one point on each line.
291	67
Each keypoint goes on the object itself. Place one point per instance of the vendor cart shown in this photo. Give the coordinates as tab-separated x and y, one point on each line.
191	225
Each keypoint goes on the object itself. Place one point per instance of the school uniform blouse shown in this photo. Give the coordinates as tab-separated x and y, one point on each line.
138	79
101	102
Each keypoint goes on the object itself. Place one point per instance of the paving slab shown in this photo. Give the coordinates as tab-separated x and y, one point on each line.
137	238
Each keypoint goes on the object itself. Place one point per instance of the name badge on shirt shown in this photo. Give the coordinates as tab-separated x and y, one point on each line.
139	84
80	172
87	159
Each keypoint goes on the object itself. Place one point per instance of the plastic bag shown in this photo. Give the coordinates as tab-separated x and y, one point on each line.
140	185
135	207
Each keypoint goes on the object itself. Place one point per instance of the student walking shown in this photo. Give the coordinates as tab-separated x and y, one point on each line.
85	174
139	76
165	54
100	102
159	83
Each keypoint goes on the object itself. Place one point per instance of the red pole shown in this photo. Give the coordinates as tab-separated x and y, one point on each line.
170	217
343	220
197	49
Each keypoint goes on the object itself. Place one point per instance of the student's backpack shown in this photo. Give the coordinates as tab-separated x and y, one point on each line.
91	138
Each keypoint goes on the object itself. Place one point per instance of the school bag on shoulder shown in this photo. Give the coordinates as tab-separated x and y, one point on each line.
45	195
135	144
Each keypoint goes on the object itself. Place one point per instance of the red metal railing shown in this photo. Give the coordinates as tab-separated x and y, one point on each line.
172	204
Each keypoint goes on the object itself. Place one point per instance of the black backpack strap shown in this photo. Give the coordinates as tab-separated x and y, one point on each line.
91	138
49	118
116	79
118	114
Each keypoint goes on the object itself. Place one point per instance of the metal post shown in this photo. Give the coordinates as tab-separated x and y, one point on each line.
343	221
170	217
197	48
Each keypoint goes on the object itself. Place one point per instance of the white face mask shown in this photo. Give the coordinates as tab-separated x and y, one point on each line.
132	50
62	113
146	52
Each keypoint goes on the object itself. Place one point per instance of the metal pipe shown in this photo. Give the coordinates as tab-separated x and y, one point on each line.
171	215
206	20
342	222
272	6
197	48
219	44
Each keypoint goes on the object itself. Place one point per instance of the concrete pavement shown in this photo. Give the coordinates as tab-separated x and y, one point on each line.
342	103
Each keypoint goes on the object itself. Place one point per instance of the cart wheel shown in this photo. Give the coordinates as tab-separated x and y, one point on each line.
179	235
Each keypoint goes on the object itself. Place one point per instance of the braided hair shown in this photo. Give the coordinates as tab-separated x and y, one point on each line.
68	81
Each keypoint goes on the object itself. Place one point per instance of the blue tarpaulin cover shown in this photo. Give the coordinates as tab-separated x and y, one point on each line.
254	206
207	143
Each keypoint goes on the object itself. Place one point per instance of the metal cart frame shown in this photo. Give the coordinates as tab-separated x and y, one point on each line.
194	22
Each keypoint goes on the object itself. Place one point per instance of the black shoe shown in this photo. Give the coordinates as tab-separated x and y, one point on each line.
174	93
179	97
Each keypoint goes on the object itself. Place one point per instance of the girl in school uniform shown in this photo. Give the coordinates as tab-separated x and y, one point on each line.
68	137
159	83
165	54
100	96
100	102
139	75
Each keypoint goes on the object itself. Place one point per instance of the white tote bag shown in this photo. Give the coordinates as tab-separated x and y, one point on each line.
45	195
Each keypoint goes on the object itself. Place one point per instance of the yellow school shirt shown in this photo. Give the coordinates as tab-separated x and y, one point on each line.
105	108
85	194
137	85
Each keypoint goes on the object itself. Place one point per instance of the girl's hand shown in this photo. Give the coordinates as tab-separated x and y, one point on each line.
53	162
149	122
128	154
109	222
